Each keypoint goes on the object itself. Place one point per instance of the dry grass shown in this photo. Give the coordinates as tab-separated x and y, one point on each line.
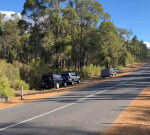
33	95
135	120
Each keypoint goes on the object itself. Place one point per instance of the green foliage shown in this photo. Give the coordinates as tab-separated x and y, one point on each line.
1	24
12	74
5	89
64	69
111	47
20	83
10	40
90	71
76	37
32	73
84	73
26	73
130	59
138	49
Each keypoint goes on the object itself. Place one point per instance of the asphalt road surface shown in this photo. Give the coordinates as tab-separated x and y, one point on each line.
87	111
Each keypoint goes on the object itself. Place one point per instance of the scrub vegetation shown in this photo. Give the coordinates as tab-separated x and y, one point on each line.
10	79
63	35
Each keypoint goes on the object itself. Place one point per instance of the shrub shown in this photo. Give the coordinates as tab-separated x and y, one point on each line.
19	84
89	71
130	58
84	73
5	89
9	70
26	73
12	73
33	72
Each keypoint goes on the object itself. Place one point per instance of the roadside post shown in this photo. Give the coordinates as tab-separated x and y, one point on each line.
22	93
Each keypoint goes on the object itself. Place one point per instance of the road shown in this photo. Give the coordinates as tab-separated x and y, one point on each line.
87	111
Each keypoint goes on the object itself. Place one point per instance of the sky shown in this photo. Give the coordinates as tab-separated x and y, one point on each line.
130	14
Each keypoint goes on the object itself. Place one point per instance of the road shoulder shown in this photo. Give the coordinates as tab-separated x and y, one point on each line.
135	119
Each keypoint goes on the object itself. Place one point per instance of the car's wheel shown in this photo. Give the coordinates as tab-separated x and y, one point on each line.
65	84
72	82
57	85
78	81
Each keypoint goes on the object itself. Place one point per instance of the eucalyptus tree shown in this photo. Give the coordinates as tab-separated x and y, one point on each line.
111	47
64	28
69	35
138	49
48	23
1	32
10	41
83	17
1	24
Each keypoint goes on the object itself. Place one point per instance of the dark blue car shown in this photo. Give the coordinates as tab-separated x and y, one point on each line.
52	81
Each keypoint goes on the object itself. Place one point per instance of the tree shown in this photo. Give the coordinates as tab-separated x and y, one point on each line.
10	41
83	20
110	45
1	24
138	49
69	36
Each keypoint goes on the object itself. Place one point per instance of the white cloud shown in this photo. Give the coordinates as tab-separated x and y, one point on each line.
8	15
147	44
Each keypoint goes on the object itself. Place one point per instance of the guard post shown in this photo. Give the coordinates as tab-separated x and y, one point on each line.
21	92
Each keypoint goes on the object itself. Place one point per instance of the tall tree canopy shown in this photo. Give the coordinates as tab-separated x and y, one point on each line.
71	36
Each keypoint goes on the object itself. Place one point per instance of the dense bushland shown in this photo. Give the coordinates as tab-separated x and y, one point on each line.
55	38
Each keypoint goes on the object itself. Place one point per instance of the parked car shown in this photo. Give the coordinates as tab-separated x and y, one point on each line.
108	72
71	77
52	81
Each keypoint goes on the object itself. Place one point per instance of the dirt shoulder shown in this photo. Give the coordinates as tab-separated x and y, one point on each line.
30	96
135	119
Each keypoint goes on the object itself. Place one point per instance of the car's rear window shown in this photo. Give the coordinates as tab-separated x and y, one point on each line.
47	78
64	75
57	76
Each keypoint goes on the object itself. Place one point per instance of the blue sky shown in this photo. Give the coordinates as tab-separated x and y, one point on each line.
130	14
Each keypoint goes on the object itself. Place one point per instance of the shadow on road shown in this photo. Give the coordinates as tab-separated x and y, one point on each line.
29	129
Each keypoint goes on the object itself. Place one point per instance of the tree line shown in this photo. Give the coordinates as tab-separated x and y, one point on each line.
67	33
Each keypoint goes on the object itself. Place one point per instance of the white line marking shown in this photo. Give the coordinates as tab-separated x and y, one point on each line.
38	116
22	122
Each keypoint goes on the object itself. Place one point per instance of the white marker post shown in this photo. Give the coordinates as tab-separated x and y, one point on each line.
22	93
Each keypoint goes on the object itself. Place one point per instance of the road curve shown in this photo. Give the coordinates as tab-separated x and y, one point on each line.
87	111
